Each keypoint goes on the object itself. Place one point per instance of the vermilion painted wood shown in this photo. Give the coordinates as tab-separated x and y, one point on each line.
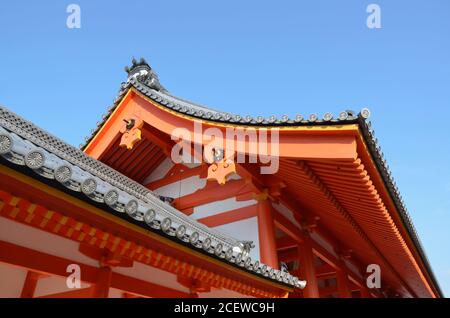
213	192
343	284
307	269
103	282
337	179
29	286
229	216
266	234
77	293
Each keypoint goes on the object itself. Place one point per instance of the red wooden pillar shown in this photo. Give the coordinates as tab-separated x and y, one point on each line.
266	234
29	286
307	270
101	289
343	284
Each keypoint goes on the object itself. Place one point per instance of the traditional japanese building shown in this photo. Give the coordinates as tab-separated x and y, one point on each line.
135	218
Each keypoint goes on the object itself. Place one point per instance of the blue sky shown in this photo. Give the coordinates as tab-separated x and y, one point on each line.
252	57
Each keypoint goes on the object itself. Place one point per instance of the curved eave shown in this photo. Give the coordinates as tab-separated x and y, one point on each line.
328	122
194	111
377	157
22	138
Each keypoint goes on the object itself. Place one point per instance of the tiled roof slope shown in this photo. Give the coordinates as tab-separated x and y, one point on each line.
24	144
142	78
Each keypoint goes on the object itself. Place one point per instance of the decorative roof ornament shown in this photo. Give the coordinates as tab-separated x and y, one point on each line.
143	72
131	132
365	113
221	168
283	267
245	247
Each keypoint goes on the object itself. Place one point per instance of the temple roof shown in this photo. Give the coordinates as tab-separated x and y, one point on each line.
143	79
24	144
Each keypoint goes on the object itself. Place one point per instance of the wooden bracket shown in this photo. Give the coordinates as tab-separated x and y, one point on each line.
221	170
105	257
195	286
131	132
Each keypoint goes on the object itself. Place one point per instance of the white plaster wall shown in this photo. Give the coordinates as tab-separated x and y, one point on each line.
151	274
54	284
30	237
184	187
11	281
217	207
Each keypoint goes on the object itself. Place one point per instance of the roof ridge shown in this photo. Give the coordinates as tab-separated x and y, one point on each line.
143	79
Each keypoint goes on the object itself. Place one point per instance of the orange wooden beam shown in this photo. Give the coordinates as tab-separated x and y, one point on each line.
103	283
286	242
229	216
145	289
29	286
325	271
76	293
213	192
163	141
387	199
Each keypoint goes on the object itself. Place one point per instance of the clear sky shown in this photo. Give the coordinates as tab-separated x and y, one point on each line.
252	57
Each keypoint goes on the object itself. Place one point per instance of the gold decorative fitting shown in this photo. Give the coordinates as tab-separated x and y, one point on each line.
131	132
220	170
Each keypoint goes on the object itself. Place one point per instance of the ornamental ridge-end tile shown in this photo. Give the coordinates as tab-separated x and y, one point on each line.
140	71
